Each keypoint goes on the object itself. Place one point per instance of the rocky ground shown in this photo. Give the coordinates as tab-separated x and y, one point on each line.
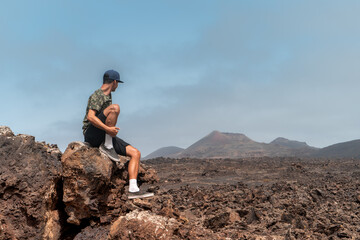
81	194
263	198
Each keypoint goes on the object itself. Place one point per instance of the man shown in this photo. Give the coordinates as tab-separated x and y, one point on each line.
99	128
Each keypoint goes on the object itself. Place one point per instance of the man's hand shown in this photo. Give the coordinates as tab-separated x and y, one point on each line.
112	131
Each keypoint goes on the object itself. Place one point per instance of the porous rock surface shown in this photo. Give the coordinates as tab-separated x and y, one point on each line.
141	225
81	194
94	186
265	198
29	176
45	194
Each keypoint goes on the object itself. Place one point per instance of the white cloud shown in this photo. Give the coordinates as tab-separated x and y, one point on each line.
266	70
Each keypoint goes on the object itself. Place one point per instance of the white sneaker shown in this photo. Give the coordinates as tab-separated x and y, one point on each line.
140	194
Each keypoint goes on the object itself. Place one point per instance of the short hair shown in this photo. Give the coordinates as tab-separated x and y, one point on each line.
106	78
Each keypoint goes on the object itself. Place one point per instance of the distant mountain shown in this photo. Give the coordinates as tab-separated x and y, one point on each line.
164	152
289	143
220	145
236	145
350	149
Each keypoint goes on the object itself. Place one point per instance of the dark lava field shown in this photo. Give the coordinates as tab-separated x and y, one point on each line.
260	198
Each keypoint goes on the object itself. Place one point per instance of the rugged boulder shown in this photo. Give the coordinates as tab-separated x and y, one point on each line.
87	181
80	195
45	194
94	186
143	225
30	176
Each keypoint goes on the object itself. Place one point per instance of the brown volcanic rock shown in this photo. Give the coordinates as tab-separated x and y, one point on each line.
143	225
94	186
30	174
257	198
87	176
47	195
270	198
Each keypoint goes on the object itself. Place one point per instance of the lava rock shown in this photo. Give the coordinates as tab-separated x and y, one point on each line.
143	225
87	176
30	183
218	222
93	184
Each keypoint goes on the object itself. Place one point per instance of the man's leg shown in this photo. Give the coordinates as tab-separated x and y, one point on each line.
133	168
111	113
134	191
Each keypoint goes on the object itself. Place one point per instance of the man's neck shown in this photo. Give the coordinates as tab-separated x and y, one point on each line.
106	88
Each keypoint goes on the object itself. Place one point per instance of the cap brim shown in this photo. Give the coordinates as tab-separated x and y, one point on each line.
119	81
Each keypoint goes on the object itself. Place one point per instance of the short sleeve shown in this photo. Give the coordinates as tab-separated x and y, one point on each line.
95	102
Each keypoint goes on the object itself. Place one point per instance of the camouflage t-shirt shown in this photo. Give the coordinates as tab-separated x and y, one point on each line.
98	101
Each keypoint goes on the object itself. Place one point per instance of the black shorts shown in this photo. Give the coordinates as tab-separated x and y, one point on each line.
95	136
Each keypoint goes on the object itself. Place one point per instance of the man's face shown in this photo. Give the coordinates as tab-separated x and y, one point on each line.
114	86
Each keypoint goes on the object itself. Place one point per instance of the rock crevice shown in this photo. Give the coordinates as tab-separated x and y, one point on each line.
29	175
45	194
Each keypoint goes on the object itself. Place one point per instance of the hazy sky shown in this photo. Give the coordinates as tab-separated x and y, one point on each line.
262	68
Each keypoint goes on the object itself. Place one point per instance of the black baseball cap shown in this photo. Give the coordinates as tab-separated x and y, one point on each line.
112	75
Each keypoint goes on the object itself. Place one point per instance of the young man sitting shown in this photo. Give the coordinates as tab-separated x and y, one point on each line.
99	128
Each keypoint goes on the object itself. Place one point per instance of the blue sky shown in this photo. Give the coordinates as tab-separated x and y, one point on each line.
263	68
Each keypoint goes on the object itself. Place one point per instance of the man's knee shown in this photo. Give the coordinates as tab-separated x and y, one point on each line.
113	108
133	152
137	153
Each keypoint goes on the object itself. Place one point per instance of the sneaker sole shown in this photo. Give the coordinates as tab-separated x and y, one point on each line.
109	156
145	195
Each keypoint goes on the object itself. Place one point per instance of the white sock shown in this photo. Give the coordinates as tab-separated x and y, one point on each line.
133	187
108	141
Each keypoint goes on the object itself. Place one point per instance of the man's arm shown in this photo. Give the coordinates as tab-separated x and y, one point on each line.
94	120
